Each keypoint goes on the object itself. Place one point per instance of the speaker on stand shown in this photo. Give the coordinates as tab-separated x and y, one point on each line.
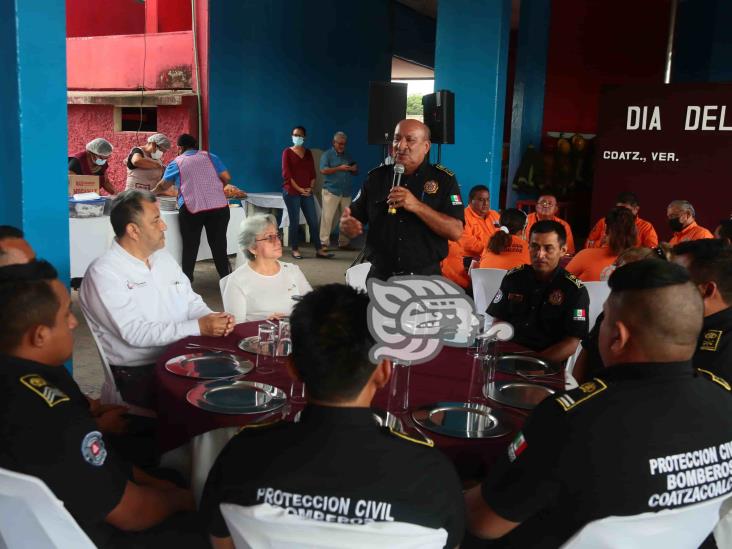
439	116
387	106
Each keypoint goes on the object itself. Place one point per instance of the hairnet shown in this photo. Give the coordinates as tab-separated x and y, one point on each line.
160	140
99	146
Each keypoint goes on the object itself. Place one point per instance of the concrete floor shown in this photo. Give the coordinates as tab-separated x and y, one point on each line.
87	366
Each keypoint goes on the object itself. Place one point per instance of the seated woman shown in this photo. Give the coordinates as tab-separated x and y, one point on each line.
594	264
263	286
506	249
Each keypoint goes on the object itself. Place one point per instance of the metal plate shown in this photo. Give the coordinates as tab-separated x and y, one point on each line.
209	365
463	420
236	396
519	394
251	345
511	364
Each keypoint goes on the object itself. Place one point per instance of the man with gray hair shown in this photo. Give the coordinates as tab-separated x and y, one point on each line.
94	161
338	169
137	299
681	216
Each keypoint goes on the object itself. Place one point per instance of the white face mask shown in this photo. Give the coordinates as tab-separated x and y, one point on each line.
100	161
157	155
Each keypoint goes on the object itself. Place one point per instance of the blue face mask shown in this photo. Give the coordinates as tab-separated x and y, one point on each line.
298	140
100	161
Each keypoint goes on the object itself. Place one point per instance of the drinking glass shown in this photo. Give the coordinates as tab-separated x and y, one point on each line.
474	347
399	387
284	339
266	347
297	392
482	372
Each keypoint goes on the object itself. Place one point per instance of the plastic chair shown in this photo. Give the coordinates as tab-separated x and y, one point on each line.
110	394
356	275
32	516
266	527
599	291
222	285
485	285
667	529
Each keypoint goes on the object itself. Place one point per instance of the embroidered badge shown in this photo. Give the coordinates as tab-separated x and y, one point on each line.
576	396
710	340
133	285
518	298
50	394
93	450
579	314
556	297
517	447
456	200
431	187
499	297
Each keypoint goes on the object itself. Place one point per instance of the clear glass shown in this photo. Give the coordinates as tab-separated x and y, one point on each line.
266	346
482	372
297	392
284	339
473	348
399	388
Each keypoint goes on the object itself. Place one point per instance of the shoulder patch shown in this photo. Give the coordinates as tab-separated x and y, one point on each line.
574	280
429	443
515	270
715	378
444	169
571	399
710	340
50	394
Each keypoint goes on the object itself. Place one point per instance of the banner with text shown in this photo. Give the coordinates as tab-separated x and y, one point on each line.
666	142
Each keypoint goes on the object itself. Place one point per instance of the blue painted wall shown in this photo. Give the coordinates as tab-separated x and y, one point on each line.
414	35
703	43
471	60
281	63
34	183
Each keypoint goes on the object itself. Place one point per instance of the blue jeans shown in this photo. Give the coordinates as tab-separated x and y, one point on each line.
307	203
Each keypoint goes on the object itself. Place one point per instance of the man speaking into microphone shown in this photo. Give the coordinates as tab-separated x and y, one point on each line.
411	216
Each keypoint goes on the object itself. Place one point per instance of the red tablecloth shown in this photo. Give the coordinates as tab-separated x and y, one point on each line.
445	378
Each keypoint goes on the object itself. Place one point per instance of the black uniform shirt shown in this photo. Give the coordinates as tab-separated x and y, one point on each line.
402	242
46	431
624	443
714	352
336	453
542	313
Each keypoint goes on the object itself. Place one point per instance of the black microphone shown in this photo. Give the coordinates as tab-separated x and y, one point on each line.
396	181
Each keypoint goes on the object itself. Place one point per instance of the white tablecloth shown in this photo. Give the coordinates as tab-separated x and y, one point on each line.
91	237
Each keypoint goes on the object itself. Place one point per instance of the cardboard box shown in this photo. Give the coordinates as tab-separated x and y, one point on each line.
83	184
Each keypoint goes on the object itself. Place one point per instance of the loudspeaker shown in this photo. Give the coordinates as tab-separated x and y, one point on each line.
387	106
439	115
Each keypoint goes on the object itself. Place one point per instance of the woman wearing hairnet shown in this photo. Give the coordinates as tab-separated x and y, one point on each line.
94	161
144	164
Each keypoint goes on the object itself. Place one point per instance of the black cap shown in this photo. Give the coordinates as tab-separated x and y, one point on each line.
647	274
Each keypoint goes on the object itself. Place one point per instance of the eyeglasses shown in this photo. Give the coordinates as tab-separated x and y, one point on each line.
270	238
547	204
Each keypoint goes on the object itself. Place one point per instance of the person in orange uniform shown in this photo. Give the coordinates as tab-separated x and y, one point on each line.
506	249
681	216
593	264
647	236
546	209
480	224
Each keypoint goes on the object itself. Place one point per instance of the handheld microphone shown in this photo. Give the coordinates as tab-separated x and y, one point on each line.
396	181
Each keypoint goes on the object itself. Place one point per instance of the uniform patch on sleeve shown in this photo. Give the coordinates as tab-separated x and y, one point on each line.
582	393
710	340
93	450
499	297
50	394
517	447
444	169
455	200
579	314
715	378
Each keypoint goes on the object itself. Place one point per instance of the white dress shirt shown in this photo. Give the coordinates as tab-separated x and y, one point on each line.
253	296
136	311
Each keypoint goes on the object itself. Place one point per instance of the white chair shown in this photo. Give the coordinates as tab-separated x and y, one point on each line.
110	394
667	529
485	286
222	285
356	275
598	292
266	527
32	516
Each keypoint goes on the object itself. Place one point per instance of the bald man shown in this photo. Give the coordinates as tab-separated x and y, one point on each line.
626	442
410	224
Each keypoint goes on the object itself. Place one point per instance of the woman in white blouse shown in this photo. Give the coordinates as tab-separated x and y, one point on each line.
263	286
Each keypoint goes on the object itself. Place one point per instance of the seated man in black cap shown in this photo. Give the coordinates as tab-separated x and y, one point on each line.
336	452
647	434
47	430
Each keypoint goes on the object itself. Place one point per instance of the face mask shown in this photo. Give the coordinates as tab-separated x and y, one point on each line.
298	140
157	155
675	224
100	161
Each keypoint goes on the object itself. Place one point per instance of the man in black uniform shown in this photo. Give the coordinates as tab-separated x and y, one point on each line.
427	210
626	442
336	453
47	430
710	266
546	305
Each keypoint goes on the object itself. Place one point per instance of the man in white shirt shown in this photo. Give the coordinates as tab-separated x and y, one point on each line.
138	300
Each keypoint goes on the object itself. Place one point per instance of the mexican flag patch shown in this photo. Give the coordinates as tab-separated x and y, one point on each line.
579	314
516	447
456	200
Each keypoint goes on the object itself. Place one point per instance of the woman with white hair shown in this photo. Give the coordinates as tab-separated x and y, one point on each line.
94	161
145	165
264	286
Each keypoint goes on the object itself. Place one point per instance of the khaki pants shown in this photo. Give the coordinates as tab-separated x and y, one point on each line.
330	207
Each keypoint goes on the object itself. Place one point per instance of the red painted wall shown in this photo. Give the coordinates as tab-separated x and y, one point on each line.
89	121
99	18
594	43
174	15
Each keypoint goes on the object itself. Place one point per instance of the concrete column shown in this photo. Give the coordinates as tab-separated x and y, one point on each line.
527	113
471	59
33	155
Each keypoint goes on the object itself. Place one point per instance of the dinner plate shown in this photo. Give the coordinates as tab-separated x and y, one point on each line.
251	345
208	365
464	420
514	363
519	394
236	396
